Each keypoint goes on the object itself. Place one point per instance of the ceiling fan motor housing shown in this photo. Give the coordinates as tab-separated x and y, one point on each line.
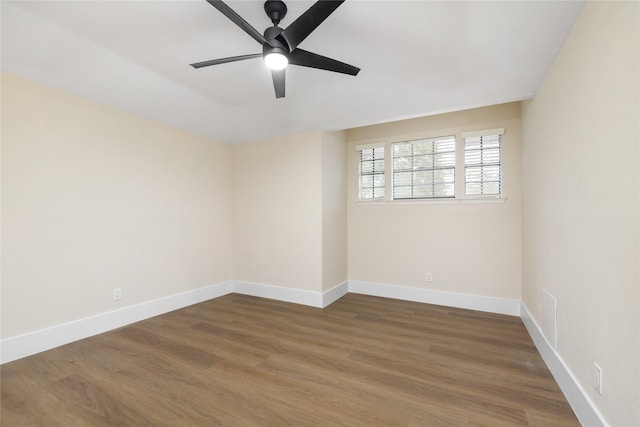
274	43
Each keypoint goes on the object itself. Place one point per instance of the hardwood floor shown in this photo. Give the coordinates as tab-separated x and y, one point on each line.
245	361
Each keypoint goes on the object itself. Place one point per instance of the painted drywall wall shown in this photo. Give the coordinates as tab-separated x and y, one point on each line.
334	209
94	198
581	197
277	211
468	247
289	204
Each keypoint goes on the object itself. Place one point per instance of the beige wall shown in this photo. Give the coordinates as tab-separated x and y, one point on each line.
469	248
581	204
334	209
289	204
94	198
277	221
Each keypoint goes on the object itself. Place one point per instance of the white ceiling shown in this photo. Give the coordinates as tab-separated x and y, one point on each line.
417	58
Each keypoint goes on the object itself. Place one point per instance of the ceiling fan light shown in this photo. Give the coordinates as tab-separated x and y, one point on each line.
276	61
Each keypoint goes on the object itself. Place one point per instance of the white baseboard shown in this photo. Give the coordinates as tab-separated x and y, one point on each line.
430	296
44	339
334	294
297	296
584	409
280	293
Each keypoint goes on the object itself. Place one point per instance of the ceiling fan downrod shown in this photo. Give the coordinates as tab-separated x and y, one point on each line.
276	10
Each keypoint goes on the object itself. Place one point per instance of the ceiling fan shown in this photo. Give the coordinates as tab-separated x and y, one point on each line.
280	46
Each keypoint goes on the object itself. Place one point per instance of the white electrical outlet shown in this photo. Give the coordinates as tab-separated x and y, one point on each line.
117	294
597	377
429	277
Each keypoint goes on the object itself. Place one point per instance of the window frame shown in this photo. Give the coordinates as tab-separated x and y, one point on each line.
374	171
483	134
459	184
432	169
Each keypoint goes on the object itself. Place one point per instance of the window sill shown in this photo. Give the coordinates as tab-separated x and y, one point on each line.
473	200
443	201
376	202
484	200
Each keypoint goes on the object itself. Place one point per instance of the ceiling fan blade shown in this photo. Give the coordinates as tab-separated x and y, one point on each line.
238	20
313	60
225	60
309	21
278	82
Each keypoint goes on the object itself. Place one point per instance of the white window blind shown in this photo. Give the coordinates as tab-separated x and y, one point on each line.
371	173
482	169
425	168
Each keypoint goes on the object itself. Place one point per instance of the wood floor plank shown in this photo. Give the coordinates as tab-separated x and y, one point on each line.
246	361
364	396
302	402
22	399
168	389
413	387
188	353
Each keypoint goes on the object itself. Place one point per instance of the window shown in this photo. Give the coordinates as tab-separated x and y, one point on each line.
482	172
425	168
371	173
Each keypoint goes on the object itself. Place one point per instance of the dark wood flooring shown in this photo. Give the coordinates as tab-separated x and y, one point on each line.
245	361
